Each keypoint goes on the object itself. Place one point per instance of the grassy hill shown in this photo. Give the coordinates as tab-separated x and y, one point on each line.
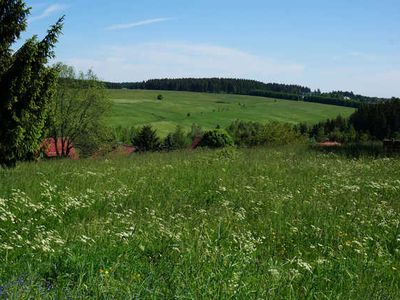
280	223
138	107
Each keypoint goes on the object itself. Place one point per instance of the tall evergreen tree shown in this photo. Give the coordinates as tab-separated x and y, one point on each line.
146	139
26	84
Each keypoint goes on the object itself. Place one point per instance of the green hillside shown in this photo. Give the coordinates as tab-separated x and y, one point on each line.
138	107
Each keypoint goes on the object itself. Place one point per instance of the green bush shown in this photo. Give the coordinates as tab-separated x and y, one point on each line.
276	133
216	138
338	130
124	134
250	134
94	141
176	140
245	134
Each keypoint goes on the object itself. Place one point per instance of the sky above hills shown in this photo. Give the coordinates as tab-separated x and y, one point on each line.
332	45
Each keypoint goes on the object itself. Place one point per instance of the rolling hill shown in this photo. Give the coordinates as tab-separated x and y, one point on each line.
139	107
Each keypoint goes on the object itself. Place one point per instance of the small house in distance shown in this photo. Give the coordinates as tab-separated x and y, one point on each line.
127	149
49	149
329	144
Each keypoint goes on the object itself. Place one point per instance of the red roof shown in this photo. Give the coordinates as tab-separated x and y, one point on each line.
196	143
126	149
49	148
329	144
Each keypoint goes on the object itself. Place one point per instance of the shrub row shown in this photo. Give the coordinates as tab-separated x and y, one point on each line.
239	133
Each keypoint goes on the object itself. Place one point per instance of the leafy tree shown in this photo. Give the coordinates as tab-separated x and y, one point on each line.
277	133
26	84
77	112
124	134
216	138
176	140
146	139
160	97
245	133
250	134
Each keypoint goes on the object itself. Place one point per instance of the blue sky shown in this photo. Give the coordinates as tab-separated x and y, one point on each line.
331	45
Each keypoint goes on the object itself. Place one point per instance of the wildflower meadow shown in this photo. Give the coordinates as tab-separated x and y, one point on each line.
274	223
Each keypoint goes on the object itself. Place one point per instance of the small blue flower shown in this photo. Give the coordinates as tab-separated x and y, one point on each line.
21	280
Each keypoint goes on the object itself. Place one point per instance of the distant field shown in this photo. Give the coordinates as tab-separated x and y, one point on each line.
138	107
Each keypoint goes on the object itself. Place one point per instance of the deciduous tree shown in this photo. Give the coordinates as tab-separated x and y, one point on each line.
77	112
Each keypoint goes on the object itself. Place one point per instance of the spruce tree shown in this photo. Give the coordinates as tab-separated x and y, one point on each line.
26	84
146	139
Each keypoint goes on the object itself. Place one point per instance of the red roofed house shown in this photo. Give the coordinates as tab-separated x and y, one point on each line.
51	149
127	149
196	143
329	144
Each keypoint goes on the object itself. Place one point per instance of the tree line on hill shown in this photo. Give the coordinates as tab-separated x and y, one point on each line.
249	87
310	97
210	85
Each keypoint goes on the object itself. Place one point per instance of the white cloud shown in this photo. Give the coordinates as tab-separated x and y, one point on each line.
383	83
173	60
160	60
379	82
137	24
48	11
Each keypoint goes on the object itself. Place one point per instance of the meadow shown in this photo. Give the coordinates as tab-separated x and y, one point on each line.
138	107
273	223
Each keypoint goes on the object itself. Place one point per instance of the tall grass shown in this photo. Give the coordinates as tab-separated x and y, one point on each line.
283	223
